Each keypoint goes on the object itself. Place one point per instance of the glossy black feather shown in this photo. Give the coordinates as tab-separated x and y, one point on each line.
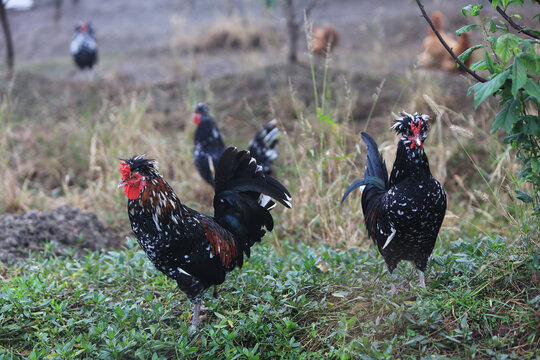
402	214
375	175
238	205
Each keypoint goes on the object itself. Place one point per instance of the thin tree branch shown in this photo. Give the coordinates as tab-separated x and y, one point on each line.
311	5
454	56
300	19
10	54
518	27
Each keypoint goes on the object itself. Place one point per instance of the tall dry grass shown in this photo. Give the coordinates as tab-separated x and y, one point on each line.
75	160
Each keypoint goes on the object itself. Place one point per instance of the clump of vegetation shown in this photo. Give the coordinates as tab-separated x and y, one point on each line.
295	302
513	64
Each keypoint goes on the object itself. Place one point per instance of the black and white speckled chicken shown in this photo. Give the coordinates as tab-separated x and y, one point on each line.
402	214
195	249
209	145
83	46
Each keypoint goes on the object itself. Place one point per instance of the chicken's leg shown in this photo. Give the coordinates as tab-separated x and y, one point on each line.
391	279
421	278
195	317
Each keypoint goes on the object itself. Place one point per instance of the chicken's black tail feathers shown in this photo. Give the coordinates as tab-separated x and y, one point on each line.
242	201
375	177
376	167
263	145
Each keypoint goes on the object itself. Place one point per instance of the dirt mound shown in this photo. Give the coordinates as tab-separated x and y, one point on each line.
233	36
21	234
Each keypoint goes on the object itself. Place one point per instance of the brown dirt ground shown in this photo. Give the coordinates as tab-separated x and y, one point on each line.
23	234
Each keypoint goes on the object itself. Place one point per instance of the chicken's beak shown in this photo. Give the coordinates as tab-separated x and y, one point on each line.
418	141
122	183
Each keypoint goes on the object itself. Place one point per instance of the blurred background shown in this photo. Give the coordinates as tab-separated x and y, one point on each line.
63	128
161	40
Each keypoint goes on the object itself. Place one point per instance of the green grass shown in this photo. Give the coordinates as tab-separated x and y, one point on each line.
298	302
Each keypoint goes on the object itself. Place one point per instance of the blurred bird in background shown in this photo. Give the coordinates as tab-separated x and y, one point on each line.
324	40
434	54
84	47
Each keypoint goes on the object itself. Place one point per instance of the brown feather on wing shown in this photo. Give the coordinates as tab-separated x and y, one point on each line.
222	243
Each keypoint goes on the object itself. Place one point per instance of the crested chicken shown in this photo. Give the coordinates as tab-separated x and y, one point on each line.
83	46
194	249
209	145
434	54
402	214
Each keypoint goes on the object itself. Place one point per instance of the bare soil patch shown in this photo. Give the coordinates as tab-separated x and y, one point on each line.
68	227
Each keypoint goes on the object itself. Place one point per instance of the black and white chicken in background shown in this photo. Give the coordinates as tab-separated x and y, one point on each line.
195	249
83	46
402	214
209	145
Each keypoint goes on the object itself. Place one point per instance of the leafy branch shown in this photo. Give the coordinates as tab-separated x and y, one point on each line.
514	68
518	27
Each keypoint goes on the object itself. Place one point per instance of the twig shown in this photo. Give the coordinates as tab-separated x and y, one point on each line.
518	27
307	10
293	24
10	54
311	5
454	56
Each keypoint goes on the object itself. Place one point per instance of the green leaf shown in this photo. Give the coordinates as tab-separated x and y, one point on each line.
492	25
494	3
489	62
465	55
485	89
465	29
531	125
505	3
535	164
507	116
479	65
506	47
519	75
340	294
524	197
533	89
324	118
531	61
472	10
